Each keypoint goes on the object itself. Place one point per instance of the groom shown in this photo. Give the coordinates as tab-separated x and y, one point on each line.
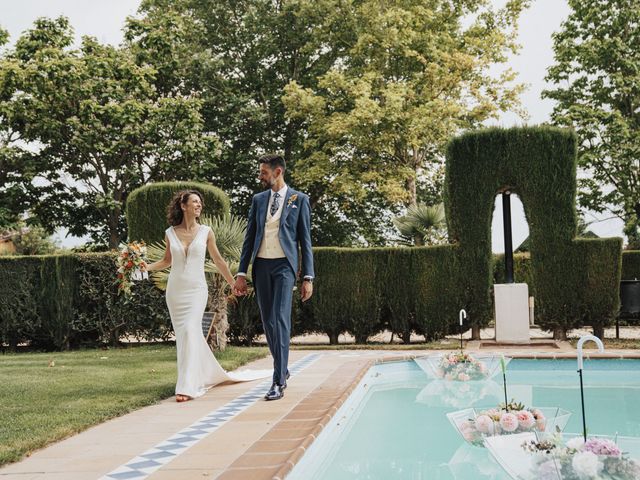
279	222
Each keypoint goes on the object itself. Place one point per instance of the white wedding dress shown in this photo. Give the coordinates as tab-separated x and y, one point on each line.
198	369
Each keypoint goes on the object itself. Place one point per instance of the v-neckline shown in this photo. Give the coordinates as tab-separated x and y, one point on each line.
185	250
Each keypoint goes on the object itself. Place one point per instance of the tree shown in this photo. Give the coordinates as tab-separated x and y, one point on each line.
597	90
239	54
98	128
410	77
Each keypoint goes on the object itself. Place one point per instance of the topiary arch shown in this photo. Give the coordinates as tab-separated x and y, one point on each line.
576	280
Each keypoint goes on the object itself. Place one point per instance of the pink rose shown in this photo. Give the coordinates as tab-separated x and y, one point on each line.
484	424
509	422
525	419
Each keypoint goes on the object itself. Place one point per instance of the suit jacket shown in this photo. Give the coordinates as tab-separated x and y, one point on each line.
295	229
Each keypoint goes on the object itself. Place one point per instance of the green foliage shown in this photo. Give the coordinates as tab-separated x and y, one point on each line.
147	207
19	310
239	55
410	75
522	270
419	291
101	314
58	302
538	164
33	240
244	320
630	264
597	86
348	297
422	224
98	126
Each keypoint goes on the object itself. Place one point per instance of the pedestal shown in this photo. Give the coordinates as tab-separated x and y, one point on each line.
512	312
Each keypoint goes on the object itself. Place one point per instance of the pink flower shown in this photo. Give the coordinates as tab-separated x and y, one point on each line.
602	446
541	421
509	422
525	419
484	424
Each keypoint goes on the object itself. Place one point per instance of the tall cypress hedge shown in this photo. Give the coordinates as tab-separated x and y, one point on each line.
631	265
539	165
146	207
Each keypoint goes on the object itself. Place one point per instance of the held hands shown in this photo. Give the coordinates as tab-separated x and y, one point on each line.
240	286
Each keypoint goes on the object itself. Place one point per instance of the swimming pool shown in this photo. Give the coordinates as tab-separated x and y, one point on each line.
394	425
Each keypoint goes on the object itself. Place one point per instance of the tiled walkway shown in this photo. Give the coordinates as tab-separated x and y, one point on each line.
231	433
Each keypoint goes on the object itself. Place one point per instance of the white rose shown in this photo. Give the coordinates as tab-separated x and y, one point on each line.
575	443
586	465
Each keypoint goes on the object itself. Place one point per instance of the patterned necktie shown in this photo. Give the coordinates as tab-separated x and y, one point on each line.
275	204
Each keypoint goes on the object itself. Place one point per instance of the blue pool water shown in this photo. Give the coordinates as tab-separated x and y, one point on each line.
394	426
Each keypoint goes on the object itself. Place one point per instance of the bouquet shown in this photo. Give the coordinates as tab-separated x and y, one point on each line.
460	366
597	458
475	425
129	263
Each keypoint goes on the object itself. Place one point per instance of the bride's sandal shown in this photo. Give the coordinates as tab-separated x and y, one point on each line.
183	398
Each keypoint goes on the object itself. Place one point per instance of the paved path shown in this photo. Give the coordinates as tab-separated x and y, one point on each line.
229	433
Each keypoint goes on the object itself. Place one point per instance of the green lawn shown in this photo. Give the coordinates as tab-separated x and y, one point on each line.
45	397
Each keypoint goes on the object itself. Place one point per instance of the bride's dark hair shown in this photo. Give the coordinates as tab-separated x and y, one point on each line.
174	210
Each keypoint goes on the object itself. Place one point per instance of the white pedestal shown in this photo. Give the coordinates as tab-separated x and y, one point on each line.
512	312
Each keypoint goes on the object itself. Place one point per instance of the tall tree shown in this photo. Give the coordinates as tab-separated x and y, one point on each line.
98	128
239	55
414	73
597	90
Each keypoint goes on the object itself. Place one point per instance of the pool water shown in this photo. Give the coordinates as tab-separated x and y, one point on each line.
394	425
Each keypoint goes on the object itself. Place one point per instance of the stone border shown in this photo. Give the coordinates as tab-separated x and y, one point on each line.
275	454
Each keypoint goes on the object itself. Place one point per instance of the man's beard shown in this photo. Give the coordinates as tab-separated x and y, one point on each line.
267	184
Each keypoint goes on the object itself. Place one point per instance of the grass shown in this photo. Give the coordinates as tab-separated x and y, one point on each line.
46	397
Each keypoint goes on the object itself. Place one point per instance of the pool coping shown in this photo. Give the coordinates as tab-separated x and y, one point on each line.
307	419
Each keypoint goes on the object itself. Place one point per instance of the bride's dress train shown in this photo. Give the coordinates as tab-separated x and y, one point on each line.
198	369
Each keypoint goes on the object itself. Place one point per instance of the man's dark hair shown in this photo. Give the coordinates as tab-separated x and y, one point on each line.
273	160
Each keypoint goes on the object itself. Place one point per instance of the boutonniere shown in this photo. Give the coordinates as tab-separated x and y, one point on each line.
292	199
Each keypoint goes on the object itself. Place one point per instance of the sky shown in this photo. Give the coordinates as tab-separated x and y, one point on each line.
104	20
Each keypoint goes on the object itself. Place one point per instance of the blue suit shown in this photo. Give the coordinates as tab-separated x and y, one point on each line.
274	279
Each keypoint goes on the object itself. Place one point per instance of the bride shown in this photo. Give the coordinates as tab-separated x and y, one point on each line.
187	243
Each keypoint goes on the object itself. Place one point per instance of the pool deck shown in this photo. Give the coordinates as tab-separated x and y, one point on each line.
232	433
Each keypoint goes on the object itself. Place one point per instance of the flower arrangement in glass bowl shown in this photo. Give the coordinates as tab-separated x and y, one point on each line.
460	366
576	459
474	424
566	456
129	262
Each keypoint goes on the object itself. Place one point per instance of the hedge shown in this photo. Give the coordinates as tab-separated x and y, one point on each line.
146	207
539	165
57	302
631	264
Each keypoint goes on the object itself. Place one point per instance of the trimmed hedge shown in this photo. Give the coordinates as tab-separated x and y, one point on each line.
631	264
539	165
57	302
146	207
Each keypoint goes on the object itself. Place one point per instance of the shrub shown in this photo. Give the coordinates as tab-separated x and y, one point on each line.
19	311
631	264
146	207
